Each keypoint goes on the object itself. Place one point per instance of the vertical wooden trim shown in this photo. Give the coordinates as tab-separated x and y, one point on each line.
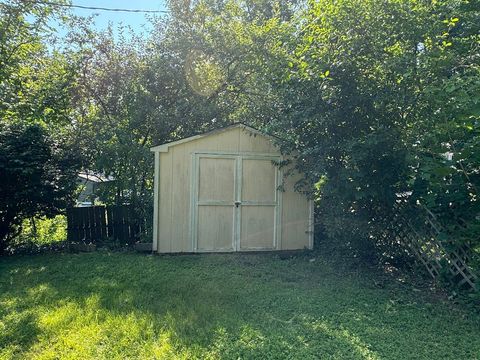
172	190
193	200
311	223
238	210
279	209
156	181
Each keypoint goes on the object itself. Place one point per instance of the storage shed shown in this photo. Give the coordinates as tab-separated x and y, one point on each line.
222	191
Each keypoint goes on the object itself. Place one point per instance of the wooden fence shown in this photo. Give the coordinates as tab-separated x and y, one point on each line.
101	223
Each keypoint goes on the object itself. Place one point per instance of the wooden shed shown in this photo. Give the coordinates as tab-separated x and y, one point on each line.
222	191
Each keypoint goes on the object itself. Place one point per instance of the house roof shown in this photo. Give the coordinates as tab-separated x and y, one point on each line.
94	177
164	147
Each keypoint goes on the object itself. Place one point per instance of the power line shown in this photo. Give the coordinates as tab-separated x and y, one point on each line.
102	8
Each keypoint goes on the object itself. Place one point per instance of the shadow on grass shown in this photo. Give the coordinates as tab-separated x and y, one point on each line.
227	306
18	331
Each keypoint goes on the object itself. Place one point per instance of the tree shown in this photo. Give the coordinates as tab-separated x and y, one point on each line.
38	176
38	161
374	95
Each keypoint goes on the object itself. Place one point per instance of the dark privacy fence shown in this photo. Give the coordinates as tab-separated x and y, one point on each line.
103	223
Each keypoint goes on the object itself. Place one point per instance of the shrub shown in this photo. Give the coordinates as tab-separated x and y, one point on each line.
38	234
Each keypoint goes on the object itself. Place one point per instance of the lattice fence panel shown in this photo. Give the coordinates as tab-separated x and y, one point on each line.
422	238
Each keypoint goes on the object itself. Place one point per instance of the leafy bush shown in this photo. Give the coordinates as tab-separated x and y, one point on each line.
38	176
43	231
38	234
377	111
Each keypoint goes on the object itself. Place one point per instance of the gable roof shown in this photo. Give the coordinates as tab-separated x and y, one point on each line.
89	175
164	147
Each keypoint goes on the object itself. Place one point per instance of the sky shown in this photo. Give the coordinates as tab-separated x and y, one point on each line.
136	20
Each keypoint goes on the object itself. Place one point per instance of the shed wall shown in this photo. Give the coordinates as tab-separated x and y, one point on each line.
175	191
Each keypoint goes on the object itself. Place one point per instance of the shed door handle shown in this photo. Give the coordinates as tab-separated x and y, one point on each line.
237	203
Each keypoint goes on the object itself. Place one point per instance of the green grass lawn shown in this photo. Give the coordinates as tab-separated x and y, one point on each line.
124	305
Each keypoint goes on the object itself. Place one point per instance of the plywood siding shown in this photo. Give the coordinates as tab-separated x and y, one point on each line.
165	203
175	193
180	196
295	217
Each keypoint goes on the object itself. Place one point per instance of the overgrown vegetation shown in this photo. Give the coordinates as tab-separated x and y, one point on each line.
122	305
38	157
40	234
38	177
374	99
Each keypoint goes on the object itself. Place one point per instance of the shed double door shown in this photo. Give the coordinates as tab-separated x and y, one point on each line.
235	203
